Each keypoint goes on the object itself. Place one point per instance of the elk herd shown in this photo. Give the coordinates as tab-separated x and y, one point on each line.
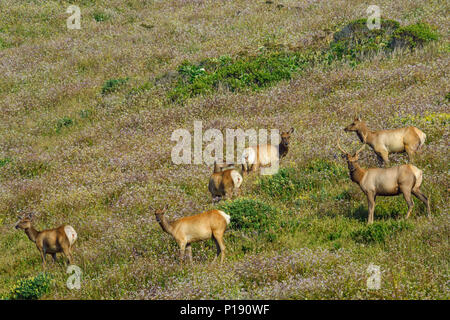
226	180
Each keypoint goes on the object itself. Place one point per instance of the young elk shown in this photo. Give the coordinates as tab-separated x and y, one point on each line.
49	241
195	228
224	183
265	155
405	179
408	139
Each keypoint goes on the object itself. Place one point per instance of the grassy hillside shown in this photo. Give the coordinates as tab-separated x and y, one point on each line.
87	115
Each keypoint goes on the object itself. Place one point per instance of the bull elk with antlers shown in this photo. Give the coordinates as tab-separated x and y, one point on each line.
383	142
405	179
49	241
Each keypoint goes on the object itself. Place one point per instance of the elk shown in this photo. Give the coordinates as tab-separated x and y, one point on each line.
224	183
405	179
195	228
409	139
264	155
49	241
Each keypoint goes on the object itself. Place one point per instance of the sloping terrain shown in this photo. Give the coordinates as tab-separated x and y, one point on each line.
87	116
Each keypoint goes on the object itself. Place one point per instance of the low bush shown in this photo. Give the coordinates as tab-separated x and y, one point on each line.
112	85
379	231
414	35
31	288
251	215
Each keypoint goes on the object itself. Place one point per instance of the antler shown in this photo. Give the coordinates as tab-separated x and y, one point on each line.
360	149
339	146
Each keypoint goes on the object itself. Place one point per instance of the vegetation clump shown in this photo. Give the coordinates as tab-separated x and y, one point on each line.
31	288
379	231
250	215
414	35
112	85
253	72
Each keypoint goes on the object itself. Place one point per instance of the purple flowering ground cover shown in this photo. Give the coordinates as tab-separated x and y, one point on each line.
97	160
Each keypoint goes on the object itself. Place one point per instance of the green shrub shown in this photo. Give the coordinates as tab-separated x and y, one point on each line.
100	16
286	184
112	85
63	123
250	215
379	231
4	161
414	35
355	41
31	168
252	72
328	168
31	288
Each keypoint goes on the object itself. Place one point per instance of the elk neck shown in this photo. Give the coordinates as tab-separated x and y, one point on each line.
356	172
32	233
364	134
165	224
282	150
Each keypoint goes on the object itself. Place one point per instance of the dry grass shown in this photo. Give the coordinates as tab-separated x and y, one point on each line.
101	172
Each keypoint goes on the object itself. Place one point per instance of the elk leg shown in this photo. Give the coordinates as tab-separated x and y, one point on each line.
42	252
371	205
189	252
68	255
54	257
385	156
182	249
218	238
418	194
407	195
410	153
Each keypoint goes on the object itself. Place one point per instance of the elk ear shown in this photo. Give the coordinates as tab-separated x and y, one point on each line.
359	117
291	131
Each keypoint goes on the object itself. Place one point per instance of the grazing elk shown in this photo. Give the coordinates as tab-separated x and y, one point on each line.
195	228
405	179
49	241
224	183
383	142
264	155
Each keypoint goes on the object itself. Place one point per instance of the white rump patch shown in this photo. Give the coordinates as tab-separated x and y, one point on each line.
249	156
71	234
227	217
237	178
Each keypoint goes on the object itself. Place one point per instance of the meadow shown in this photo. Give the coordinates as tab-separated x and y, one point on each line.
87	115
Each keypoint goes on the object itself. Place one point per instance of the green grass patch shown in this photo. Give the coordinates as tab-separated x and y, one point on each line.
379	231
31	288
252	72
5	161
112	85
251	215
100	16
63	123
414	35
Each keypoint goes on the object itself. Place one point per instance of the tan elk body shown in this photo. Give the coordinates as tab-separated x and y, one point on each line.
405	179
202	226
264	155
383	142
50	241
224	183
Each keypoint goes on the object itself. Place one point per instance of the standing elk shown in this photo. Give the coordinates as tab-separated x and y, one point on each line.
224	183
195	228
49	241
265	155
405	179
409	139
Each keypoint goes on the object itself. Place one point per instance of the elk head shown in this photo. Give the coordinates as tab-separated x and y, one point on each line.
285	136
25	221
356	125
351	159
